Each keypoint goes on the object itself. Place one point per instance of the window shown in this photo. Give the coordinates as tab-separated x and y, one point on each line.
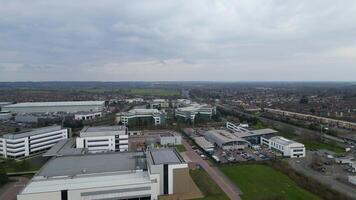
297	150
64	195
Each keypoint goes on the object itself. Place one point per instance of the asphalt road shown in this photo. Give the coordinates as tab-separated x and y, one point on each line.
11	189
303	167
221	180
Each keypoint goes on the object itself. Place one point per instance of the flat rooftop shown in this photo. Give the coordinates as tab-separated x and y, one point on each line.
259	132
283	141
93	164
225	136
142	111
64	148
27	133
165	156
57	103
202	142
87	112
194	107
102	131
87	182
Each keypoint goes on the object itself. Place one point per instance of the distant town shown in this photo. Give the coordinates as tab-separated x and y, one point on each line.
177	140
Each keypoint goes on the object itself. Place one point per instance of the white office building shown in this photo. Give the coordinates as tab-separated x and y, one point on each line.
84	116
141	117
159	103
191	111
55	107
128	175
103	138
288	148
25	143
252	136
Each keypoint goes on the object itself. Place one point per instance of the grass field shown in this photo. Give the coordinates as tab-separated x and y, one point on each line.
180	148
207	186
312	145
8	165
263	182
153	92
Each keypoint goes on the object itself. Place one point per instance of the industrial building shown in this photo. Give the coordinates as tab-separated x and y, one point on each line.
128	175
194	110
103	138
170	139
25	143
55	107
83	116
288	148
252	136
141	117
225	140
204	144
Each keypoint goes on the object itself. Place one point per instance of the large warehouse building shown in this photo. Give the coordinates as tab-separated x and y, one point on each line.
22	144
53	107
225	140
129	175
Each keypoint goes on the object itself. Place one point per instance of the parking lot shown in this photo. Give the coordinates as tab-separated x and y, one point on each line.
247	154
320	166
255	153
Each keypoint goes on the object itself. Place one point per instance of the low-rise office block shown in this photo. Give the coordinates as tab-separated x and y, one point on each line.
22	144
288	148
141	117
103	138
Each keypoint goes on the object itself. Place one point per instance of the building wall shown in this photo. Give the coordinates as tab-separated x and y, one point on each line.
227	147
103	143
157	170
126	191
140	121
292	150
87	116
41	196
155	186
171	140
171	169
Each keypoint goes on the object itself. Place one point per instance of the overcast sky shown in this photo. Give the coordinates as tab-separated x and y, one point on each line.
223	40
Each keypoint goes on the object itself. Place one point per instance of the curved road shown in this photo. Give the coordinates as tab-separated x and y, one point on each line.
223	182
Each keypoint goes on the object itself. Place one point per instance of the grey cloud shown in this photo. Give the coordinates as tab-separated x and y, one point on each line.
209	40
